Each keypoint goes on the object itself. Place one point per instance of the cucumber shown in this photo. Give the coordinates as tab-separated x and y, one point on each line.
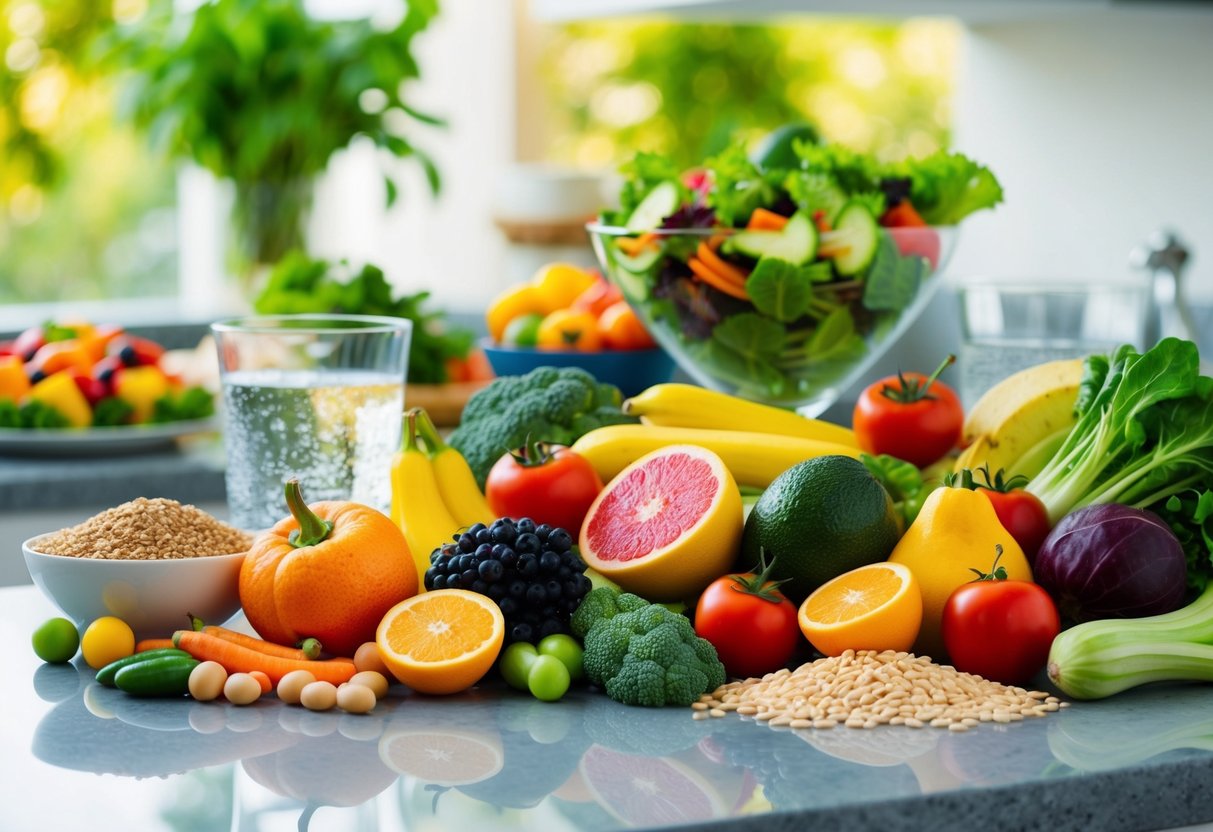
160	676
856	238
642	262
658	204
105	676
797	243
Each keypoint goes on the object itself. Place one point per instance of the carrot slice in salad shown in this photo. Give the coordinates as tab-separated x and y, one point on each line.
718	265
632	246
714	280
764	220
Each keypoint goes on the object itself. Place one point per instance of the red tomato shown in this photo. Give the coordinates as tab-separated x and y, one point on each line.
909	416
750	622
999	629
548	483
1024	517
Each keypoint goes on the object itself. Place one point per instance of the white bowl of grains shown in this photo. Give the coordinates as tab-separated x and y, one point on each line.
150	562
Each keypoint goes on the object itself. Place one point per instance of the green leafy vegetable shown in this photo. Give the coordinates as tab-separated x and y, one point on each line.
751	334
644	172
191	403
300	284
1190	516
947	187
738	186
1144	435
779	289
892	282
111	411
835	337
35	414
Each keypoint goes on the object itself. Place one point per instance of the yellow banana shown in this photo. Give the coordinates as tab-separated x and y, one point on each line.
456	483
688	406
755	459
416	503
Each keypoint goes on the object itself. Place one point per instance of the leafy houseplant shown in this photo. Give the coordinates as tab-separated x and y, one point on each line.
261	94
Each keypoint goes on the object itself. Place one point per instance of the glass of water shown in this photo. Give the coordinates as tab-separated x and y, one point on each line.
318	397
1012	324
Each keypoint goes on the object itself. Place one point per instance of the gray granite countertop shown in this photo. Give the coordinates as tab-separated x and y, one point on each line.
74	755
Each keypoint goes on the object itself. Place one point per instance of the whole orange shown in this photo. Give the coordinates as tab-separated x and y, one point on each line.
330	571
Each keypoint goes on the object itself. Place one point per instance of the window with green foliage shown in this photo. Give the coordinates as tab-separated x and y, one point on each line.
85	211
682	89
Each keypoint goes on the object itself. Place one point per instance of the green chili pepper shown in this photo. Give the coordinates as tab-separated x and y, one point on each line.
105	675
161	676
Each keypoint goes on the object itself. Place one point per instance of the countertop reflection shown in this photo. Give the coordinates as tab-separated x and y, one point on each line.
500	759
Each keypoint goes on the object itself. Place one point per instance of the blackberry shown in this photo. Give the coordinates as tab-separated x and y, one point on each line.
529	570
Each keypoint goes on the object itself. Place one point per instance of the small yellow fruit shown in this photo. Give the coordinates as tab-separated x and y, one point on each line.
106	640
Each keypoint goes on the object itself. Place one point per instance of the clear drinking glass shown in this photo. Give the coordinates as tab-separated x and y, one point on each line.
1009	324
318	397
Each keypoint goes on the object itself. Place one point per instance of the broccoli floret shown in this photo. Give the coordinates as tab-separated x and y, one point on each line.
548	404
649	656
600	604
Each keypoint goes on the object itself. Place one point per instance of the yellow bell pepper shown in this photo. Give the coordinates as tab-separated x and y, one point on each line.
140	387
59	391
955	531
14	383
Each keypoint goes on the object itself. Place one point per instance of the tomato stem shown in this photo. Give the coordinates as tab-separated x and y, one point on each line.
534	454
760	585
911	390
312	529
996	573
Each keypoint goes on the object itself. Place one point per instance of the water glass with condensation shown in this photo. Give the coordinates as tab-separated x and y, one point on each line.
318	397
1011	324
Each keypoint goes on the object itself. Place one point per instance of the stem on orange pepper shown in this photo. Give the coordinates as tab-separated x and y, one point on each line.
312	529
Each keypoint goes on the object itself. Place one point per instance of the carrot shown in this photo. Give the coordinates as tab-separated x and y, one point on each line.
262	680
764	220
153	644
236	658
307	653
707	254
716	281
633	246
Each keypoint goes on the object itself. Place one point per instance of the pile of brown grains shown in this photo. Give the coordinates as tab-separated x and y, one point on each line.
863	689
146	529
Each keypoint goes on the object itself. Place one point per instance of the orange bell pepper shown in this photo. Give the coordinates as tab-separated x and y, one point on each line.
566	329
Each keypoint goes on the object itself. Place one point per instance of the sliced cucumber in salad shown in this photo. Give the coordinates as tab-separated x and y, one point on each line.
854	241
796	243
657	204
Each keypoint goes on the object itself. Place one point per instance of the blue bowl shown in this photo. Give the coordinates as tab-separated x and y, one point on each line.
630	370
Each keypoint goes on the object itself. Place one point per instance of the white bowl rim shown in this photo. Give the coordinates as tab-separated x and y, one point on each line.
28	548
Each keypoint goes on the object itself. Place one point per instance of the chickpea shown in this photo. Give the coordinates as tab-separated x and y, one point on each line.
292	684
241	689
207	681
318	696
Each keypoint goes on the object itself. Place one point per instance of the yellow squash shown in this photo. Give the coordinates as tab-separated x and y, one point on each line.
956	531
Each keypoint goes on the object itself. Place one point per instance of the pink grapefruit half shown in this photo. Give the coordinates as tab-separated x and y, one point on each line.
667	525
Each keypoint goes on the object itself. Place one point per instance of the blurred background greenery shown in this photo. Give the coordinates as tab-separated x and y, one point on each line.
87	210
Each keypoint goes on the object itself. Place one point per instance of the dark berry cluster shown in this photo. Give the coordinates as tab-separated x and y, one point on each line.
530	570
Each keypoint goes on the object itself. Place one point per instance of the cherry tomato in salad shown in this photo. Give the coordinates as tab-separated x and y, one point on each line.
999	629
548	483
910	416
749	621
1020	512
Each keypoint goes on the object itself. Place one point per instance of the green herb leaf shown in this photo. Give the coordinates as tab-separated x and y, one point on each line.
835	337
751	334
892	281
779	289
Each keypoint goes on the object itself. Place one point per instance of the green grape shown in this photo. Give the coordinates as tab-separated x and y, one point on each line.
565	648
516	662
548	679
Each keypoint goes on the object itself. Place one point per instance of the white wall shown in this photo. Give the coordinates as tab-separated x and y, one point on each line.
448	245
1099	125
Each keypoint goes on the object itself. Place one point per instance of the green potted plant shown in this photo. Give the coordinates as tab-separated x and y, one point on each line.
261	94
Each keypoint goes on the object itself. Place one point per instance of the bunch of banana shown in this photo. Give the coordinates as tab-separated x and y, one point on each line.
756	442
434	493
1021	422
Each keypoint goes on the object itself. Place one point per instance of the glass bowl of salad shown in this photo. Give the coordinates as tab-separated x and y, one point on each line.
785	284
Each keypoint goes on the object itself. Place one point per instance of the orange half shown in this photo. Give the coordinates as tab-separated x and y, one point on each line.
874	607
443	641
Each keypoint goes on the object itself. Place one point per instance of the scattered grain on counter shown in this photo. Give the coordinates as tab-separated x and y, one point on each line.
863	689
147	529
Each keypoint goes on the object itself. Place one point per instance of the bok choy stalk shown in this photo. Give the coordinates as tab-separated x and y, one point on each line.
1099	658
1144	432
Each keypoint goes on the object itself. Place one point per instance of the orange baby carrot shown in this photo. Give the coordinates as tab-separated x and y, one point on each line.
716	281
237	658
153	644
308	650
